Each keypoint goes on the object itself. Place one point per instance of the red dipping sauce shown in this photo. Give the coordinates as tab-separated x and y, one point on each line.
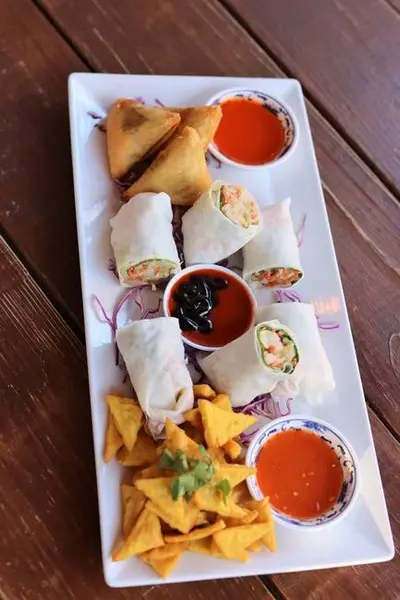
230	318
249	132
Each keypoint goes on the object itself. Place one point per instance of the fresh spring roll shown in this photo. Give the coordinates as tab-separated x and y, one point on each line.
221	222
143	242
154	356
271	259
254	363
314	375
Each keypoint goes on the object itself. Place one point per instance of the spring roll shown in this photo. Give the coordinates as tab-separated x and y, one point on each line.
153	352
314	375
143	242
254	363
221	222
271	259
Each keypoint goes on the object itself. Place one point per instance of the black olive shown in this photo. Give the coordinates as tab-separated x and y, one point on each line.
219	283
187	324
176	313
204	325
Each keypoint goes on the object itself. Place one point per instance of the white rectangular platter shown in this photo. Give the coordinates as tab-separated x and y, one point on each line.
364	536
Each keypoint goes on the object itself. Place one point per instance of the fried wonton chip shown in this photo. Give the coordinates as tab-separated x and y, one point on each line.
176	439
196	534
167	551
204	119
142	453
193	416
114	440
135	131
128	418
145	535
235	474
232	449
265	516
205	546
222	425
179	514
203	390
217	456
255	547
222	401
232	540
133	502
149	473
241	494
250	517
180	170
163	567
208	498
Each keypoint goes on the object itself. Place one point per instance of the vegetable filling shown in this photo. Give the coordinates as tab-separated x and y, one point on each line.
238	206
150	271
277	349
278	277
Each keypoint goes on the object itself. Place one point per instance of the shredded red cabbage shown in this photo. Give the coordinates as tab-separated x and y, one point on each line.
264	406
158	102
300	231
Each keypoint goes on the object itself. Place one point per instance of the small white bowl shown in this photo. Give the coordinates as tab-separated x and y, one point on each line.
223	271
343	451
282	111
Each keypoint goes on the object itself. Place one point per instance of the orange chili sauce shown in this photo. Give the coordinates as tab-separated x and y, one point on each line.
232	316
249	133
300	473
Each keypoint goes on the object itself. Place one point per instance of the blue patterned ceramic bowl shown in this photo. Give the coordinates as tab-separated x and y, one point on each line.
281	110
343	451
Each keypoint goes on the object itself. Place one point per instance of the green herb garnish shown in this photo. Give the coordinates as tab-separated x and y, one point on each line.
192	473
224	487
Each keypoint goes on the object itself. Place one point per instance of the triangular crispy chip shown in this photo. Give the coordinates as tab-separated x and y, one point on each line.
165	566
142	453
128	418
232	540
180	170
265	516
196	534
255	547
203	390
204	119
222	401
232	449
176	439
193	416
235	474
221	425
208	498
167	551
217	456
145	535
179	514
241	494
134	131
133	502
250	517
151	472
114	440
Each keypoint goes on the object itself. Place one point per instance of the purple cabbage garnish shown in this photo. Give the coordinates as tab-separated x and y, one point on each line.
300	231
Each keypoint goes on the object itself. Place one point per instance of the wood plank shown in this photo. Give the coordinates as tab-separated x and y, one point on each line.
363	582
37	202
346	55
366	209
49	535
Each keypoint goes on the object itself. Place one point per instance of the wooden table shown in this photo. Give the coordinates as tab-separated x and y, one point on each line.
346	54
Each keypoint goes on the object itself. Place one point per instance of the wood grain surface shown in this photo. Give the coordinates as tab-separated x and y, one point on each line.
50	546
346	54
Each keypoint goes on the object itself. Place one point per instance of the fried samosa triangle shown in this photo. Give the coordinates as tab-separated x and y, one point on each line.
204	119
135	131
180	170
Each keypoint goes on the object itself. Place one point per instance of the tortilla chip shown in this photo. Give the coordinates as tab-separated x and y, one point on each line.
211	500
128	418
176	439
113	440
149	473
235	474
232	449
135	131
233	540
179	514
180	170
203	390
163	567
250	517
265	516
145	535
205	546
222	401
142	453
133	502
222	425
204	119
194	417
255	547
167	551
196	534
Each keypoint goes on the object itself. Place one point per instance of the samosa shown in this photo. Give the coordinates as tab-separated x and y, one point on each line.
204	119
134	132
180	170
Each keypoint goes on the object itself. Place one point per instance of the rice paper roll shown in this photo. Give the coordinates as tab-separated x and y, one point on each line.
153	352
272	259
314	375
221	222
143	242
254	363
